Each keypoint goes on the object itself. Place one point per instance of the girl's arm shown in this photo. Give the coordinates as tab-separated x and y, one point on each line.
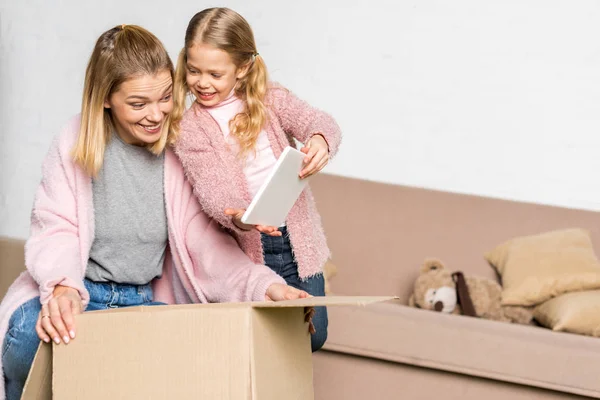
212	187
303	121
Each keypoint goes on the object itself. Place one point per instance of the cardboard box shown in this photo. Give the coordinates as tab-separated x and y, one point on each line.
250	351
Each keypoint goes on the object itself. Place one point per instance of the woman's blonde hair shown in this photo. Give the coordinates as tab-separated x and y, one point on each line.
121	53
227	30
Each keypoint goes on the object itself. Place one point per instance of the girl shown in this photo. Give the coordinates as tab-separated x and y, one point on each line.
114	221
233	134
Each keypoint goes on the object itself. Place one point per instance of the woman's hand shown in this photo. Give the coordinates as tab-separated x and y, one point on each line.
56	320
317	156
280	292
236	215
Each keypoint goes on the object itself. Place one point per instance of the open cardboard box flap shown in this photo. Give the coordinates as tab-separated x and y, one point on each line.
250	351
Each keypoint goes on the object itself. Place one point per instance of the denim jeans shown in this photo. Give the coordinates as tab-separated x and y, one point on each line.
21	341
278	256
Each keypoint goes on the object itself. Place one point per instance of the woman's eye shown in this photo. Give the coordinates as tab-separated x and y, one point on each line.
137	105
167	98
216	76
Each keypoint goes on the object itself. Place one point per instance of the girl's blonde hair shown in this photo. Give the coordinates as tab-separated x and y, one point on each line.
121	53
227	30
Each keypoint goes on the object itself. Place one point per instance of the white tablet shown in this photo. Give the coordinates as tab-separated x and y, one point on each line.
279	192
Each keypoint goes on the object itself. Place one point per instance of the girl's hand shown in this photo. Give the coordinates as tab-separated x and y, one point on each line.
236	216
317	156
56	320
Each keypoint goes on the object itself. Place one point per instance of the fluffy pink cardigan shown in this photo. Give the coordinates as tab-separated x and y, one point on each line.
218	179
203	263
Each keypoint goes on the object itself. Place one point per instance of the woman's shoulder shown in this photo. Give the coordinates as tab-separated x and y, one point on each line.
67	136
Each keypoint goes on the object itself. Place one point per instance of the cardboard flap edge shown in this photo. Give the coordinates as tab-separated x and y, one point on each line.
325	301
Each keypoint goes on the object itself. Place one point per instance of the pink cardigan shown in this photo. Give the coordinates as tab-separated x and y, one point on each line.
203	263
219	182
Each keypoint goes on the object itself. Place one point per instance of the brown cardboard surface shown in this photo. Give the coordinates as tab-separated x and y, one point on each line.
237	351
281	356
39	382
329	301
156	355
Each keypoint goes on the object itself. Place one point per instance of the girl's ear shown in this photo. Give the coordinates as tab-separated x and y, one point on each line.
243	71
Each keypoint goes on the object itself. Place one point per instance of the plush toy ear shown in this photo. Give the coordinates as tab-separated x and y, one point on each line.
432	264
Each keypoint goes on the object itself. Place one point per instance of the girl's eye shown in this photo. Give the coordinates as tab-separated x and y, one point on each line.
216	76
137	105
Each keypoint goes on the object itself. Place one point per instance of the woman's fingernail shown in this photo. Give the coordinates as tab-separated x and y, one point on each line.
57	340
47	340
72	333
66	339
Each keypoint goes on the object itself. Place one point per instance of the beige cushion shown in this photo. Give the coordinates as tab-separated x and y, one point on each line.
577	312
538	267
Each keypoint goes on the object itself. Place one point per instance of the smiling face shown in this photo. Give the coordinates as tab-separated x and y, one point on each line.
211	74
140	107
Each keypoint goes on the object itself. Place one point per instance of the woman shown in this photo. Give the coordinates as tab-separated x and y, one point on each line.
114	222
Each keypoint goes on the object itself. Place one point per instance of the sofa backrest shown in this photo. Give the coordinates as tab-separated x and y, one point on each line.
12	261
379	234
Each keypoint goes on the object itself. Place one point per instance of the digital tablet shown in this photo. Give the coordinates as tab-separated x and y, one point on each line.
279	192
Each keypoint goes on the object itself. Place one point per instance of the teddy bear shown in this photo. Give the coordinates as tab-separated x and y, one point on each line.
441	290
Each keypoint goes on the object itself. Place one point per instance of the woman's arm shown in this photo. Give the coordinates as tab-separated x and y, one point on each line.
52	252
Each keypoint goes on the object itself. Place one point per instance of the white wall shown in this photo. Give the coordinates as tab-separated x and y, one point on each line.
497	98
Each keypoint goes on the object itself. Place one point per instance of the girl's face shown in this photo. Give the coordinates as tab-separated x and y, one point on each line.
141	106
211	74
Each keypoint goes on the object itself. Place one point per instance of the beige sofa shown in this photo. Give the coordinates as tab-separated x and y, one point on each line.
379	235
12	262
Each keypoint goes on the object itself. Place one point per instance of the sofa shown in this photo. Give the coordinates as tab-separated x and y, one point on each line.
12	261
379	235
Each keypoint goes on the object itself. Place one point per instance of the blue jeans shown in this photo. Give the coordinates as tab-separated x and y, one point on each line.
21	341
278	256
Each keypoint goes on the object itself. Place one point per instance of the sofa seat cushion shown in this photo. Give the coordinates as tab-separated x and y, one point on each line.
520	354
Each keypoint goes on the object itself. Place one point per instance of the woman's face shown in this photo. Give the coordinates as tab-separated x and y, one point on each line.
140	107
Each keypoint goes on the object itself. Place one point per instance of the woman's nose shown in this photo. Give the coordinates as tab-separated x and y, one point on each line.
154	113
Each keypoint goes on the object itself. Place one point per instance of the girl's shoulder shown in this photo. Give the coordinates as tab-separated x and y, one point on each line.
277	95
276	89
